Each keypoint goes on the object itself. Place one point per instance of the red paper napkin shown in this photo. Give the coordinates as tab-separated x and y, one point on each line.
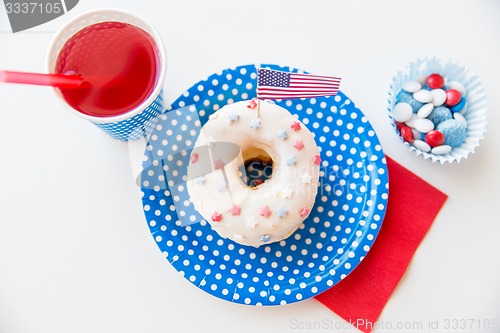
362	295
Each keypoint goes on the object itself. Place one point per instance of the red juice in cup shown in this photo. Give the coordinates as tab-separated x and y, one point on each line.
119	63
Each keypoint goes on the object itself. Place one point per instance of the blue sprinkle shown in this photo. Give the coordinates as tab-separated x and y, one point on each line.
440	114
454	132
459	106
407	97
290	161
254	124
233	118
283	135
281	212
265	238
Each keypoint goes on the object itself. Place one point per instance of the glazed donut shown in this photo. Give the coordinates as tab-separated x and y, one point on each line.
243	132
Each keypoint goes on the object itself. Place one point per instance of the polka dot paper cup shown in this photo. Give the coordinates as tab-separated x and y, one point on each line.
139	121
472	114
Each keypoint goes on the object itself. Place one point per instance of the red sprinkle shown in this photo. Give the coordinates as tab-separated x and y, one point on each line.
399	125
299	144
304	211
317	159
265	211
235	210
407	134
434	138
216	217
219	164
252	104
453	97
295	126
435	81
194	158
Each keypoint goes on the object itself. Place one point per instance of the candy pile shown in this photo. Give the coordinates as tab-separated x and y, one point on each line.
429	114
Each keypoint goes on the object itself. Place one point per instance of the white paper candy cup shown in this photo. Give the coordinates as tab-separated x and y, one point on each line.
477	105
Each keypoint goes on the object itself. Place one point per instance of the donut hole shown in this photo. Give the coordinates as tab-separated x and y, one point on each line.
258	167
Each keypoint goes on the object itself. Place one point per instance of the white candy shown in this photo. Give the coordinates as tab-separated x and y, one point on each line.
423	96
412	86
422	145
424	125
411	123
422	79
457	86
416	134
402	112
439	97
425	110
440	150
461	119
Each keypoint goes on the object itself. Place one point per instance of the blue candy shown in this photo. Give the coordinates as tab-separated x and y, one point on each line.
440	114
407	97
459	106
454	132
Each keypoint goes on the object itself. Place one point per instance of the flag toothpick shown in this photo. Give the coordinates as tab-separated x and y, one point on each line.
272	84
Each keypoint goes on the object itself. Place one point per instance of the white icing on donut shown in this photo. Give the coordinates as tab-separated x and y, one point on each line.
273	210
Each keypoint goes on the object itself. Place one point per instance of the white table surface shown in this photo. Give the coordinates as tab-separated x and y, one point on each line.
76	254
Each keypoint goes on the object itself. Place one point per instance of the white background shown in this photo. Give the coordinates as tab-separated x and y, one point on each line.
75	251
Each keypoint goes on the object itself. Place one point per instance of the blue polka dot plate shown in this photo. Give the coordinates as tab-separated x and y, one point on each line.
332	241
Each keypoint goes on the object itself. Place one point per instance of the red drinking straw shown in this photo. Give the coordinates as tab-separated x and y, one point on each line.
53	80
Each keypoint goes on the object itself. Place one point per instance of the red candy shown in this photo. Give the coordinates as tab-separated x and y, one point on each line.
453	97
435	81
407	134
434	138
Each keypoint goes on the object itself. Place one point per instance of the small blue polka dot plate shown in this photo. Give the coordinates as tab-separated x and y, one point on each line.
332	241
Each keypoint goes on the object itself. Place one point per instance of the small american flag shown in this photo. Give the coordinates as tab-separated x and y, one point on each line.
273	84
